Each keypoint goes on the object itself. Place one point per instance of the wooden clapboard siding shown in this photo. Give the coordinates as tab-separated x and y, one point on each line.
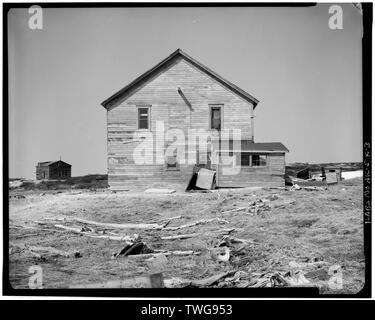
166	104
270	175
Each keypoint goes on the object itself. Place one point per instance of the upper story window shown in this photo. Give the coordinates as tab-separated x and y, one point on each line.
216	116
144	118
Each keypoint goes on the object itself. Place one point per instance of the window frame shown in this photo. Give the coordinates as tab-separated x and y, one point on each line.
259	166
250	155
216	106
148	107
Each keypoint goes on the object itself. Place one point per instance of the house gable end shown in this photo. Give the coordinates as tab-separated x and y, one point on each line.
163	66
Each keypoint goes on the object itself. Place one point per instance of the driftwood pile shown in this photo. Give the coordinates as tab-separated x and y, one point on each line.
299	274
242	279
134	246
260	206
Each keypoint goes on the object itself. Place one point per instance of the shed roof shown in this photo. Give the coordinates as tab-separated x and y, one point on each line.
118	96
262	146
250	146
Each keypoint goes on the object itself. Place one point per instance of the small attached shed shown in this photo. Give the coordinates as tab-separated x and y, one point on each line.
255	164
53	170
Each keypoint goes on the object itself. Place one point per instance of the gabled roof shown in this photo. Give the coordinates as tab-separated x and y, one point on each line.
112	100
49	163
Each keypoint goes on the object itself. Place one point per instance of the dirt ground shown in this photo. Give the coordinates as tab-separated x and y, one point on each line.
320	226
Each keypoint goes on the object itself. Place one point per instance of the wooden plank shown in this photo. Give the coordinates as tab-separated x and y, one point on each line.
205	179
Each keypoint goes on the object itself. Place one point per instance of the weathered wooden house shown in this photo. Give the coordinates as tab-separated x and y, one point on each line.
184	95
53	170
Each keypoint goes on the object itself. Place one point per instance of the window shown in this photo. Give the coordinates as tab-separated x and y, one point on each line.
215	117
245	159
258	160
253	160
143	118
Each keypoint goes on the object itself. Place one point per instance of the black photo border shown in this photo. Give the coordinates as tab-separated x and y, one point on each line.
194	292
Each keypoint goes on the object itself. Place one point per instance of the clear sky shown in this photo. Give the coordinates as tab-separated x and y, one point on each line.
306	76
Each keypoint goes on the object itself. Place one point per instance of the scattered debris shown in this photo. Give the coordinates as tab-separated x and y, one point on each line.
180	236
297	187
164	191
229	230
226	256
151	226
289	279
86	231
43	253
319	274
261	205
165	253
120	226
222	254
242	279
258	206
138	247
207	282
206	179
192	224
303	265
318	177
235	210
229	240
315	188
309	183
272	197
152	281
17	196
